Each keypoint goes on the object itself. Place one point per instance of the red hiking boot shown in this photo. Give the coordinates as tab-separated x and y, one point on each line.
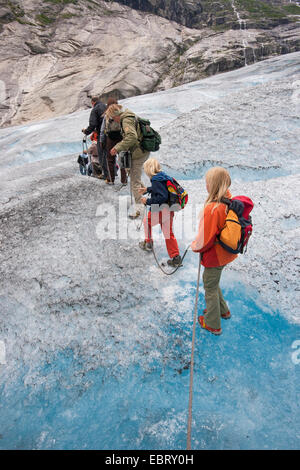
208	328
226	315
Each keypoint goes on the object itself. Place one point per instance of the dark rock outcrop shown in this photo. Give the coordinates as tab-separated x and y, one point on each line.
187	13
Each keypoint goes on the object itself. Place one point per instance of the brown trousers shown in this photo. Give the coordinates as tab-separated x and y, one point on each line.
96	168
111	162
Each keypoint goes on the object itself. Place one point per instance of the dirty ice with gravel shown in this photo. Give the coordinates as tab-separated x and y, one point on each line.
95	341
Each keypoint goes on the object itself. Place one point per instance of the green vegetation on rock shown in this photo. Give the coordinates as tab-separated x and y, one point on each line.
44	19
259	10
16	10
215	14
67	16
292	9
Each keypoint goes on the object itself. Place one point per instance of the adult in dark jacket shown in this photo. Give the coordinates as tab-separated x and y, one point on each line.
110	135
159	212
95	122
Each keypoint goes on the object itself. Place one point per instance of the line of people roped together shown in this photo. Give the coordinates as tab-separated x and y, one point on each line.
117	130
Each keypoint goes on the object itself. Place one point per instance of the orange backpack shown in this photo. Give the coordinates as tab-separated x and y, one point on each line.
238	225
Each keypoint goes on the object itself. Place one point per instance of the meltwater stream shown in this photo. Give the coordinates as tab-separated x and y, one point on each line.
245	390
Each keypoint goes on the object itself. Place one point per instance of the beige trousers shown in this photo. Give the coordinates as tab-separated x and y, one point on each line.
136	176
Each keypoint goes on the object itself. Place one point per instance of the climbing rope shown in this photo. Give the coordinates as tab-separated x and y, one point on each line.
155	256
160	266
138	227
190	406
119	188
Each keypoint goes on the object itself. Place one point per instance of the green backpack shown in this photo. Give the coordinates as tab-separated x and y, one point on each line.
151	139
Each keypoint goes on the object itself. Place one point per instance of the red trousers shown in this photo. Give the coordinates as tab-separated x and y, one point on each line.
165	219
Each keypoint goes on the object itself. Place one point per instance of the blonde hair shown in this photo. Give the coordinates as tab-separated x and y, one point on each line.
218	181
113	110
151	167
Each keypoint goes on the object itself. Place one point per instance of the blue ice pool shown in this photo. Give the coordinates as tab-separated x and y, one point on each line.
246	392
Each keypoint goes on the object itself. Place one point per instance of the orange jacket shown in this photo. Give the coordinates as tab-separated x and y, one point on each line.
210	225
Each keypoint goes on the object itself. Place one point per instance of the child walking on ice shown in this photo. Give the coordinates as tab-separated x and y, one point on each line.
214	256
159	212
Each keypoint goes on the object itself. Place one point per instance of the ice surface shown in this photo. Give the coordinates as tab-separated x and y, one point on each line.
245	393
59	136
97	340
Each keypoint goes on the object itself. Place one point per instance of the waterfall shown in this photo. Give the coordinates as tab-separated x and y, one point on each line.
243	26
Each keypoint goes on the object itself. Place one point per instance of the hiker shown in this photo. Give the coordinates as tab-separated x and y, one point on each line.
214	256
131	138
159	212
93	152
110	135
95	122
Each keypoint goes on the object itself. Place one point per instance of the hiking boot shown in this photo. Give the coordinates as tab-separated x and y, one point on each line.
146	246
214	331
135	215
109	182
226	315
176	261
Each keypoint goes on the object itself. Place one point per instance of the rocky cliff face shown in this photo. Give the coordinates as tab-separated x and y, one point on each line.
187	13
200	13
56	54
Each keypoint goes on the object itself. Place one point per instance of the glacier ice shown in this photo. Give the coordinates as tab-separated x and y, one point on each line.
97	340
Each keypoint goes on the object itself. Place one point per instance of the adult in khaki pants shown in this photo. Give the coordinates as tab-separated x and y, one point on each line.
131	138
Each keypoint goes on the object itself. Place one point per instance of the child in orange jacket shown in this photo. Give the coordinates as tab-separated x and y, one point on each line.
214	257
